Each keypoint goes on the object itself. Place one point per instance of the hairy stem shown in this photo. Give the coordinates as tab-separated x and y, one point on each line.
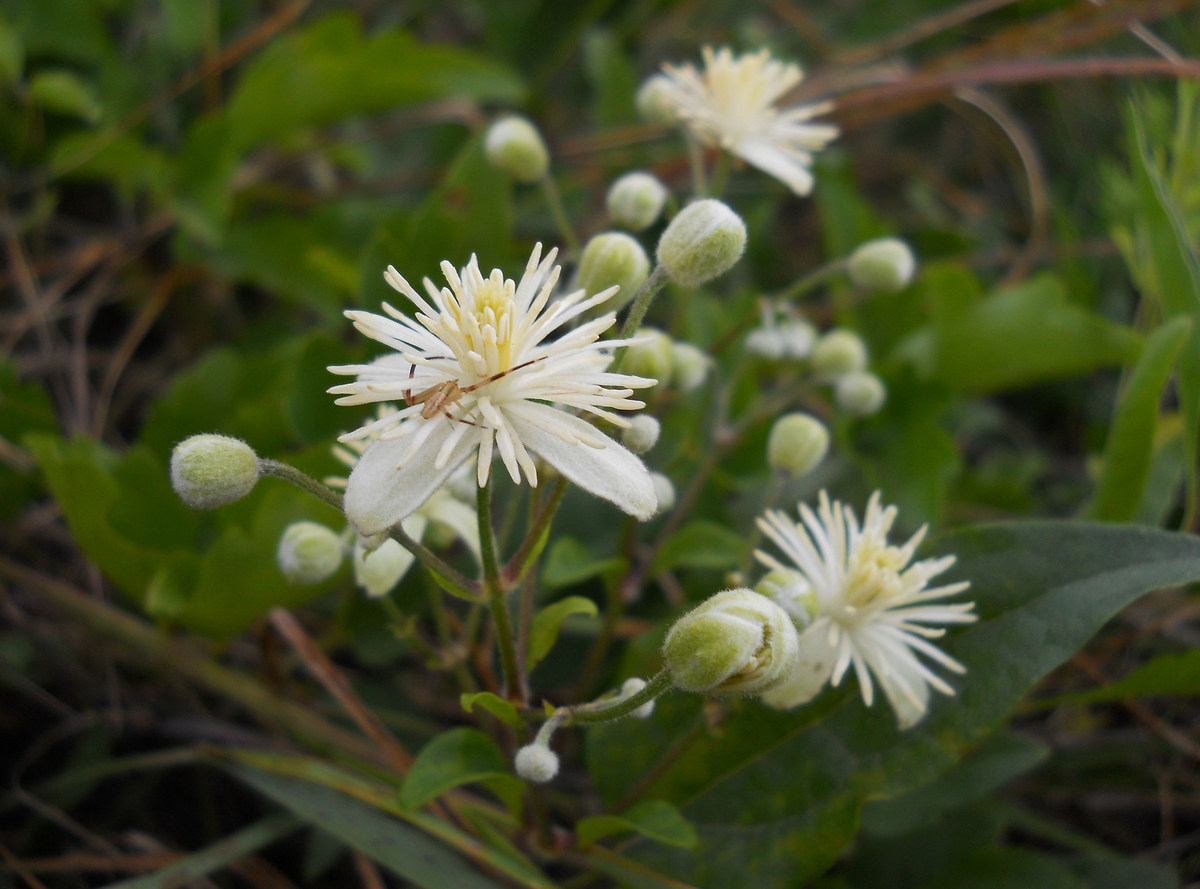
497	596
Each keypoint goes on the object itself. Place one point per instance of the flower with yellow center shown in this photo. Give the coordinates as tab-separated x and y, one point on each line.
731	105
478	374
863	603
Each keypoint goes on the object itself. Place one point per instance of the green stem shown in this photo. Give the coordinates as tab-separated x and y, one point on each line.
637	310
497	596
535	540
302	481
720	175
554	199
816	277
696	160
453	581
608	710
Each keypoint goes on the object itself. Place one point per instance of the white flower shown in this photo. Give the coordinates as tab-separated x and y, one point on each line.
476	370
731	104
872	609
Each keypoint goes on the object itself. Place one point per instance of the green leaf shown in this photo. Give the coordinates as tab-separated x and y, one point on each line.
569	562
505	711
405	851
1024	335
655	819
700	544
1103	870
631	874
774	796
25	409
12	55
544	632
197	865
1167	674
459	756
121	159
1130	445
65	92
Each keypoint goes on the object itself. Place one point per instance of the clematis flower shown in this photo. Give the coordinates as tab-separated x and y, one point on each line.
862	603
731	104
479	374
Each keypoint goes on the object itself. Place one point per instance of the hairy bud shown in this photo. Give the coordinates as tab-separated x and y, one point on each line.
689	365
635	201
308	553
796	444
642	433
514	146
655	101
613	258
211	470
651	357
536	763
839	352
886	265
703	241
664	489
860	393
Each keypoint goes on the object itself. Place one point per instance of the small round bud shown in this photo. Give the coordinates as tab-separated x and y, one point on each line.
308	553
378	569
655	101
689	365
514	146
792	592
664	489
767	343
860	393
703	241
814	666
797	338
635	201
736	642
632	687
210	470
796	444
839	352
651	357
886	265
536	763
642	433
613	258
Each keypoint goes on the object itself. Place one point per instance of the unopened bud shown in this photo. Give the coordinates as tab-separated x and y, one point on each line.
211	470
690	366
635	201
767	343
514	146
613	258
860	393
664	489
308	553
651	357
886	265
736	642
655	101
642	433
632	687
839	352
796	444
536	763
797	338
703	241
377	570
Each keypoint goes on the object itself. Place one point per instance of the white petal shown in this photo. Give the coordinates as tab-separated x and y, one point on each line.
609	470
379	570
381	493
812	671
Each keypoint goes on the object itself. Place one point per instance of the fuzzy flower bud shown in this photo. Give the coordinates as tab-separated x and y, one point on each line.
613	258
632	687
737	642
690	366
703	241
839	352
792	592
860	393
536	763
655	101
797	338
664	489
796	444
650	358
514	146
642	433
635	201
308	553
886	265
210	470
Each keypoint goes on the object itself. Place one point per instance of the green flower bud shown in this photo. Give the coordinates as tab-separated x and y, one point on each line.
612	258
767	343
703	241
792	592
886	265
642	433
514	146
736	642
664	489
635	201
860	393
536	763
210	470
690	366
814	666
655	101
308	553
650	358
839	352
796	444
